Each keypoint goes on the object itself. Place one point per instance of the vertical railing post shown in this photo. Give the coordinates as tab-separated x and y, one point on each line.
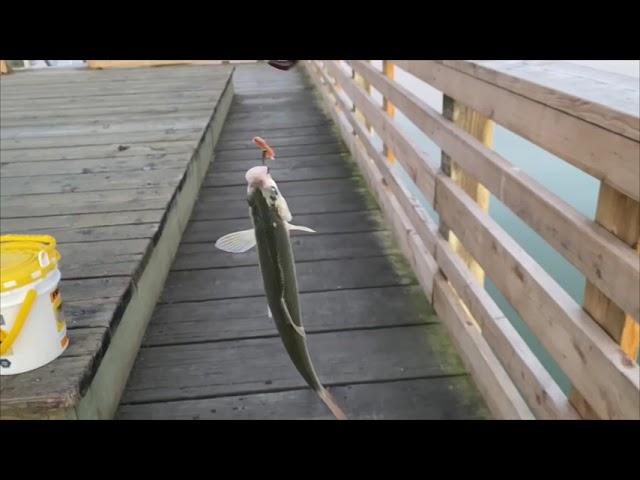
4	67
360	80
387	106
481	128
620	215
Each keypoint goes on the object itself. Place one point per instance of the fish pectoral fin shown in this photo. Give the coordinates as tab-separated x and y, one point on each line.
302	229
287	315
237	242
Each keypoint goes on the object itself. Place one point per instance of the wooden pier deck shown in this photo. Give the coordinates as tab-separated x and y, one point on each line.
109	163
137	172
211	352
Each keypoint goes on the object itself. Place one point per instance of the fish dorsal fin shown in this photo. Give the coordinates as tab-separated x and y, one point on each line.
298	227
237	242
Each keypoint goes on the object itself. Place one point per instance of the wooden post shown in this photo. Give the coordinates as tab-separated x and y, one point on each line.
4	67
387	106
621	216
359	79
481	128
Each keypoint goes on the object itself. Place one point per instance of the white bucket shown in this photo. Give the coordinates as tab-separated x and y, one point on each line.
32	327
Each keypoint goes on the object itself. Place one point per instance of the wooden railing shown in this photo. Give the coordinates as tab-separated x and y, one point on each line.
583	119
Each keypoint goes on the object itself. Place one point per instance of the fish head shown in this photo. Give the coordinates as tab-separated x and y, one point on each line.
260	182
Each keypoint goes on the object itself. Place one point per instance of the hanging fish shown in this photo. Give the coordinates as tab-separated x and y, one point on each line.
270	233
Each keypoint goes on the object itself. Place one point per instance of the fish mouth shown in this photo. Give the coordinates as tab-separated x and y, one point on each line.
259	178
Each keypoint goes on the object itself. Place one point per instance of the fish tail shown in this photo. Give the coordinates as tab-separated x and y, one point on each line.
330	402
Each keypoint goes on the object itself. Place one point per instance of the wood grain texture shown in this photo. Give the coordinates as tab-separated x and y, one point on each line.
607	99
73	186
568	332
368	324
606	155
603	258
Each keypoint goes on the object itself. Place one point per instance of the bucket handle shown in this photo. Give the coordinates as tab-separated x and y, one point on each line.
25	308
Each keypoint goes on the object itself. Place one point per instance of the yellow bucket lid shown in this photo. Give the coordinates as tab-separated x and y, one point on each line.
25	259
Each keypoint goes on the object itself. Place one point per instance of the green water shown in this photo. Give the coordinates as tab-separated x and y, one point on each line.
572	185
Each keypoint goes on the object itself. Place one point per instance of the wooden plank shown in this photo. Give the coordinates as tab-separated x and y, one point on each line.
148	98
424	399
502	396
92	313
103	113
352	201
87	169
604	259
336	171
272	132
297	151
181	372
216	320
109	85
112	139
61	75
344	222
277	143
144	178
85	202
92	259
94	288
582	349
607	156
104	233
607	99
143	102
322	275
148	150
543	395
48	118
82	222
36	81
281	164
62	391
416	163
91	342
25	133
620	215
306	247
90	89
250	125
113	93
288	189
